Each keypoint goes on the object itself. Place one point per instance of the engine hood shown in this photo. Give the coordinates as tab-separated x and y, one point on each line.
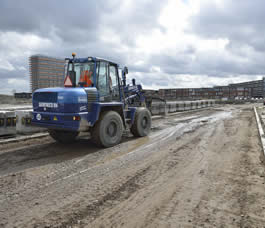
67	100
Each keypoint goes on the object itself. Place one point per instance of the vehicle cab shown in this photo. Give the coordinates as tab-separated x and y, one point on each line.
95	72
91	85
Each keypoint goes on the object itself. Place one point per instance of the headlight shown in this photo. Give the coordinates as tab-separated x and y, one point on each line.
38	116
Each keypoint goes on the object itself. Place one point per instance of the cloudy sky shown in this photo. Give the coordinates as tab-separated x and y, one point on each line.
165	44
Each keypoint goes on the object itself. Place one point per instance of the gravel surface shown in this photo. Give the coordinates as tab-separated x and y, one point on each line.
197	169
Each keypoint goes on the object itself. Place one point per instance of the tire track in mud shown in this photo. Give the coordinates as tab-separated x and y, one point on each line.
246	197
161	174
209	214
41	155
227	201
126	190
94	209
168	208
72	167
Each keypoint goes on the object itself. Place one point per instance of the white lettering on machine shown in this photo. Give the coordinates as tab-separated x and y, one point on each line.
48	105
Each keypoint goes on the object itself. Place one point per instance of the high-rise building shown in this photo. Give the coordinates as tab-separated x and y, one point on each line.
46	72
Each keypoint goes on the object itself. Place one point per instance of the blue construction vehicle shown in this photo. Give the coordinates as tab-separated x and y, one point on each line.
95	99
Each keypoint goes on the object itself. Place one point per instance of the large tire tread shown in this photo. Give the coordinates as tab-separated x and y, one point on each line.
135	130
96	136
95	133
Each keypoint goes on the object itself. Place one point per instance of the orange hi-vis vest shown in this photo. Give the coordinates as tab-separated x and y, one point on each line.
86	77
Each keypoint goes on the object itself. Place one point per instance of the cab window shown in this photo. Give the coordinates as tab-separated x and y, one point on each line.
84	73
102	73
113	82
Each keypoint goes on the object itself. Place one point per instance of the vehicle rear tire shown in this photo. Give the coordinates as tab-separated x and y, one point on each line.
108	129
142	122
65	137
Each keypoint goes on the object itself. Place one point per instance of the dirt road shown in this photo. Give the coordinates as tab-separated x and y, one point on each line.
196	169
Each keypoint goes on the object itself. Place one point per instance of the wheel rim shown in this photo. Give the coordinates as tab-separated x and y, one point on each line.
112	129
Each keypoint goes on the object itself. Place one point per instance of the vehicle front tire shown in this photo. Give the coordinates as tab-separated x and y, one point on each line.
142	122
65	137
108	129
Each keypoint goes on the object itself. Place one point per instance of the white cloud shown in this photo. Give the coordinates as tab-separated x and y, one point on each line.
21	68
6	65
173	43
163	81
20	85
22	45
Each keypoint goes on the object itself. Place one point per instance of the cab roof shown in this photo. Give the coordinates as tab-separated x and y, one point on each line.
90	58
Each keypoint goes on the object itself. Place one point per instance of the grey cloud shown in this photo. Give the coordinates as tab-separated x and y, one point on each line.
151	79
78	21
70	20
79	25
176	63
17	78
139	20
206	63
75	26
241	22
14	74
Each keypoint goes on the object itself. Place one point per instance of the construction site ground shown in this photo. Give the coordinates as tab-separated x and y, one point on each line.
197	169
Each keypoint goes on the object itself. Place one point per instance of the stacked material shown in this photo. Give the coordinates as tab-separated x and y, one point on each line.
162	108
23	125
9	107
172	106
19	121
158	107
7	123
180	106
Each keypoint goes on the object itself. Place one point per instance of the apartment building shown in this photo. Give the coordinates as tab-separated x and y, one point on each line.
45	72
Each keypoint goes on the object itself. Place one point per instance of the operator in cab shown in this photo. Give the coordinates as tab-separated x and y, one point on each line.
86	78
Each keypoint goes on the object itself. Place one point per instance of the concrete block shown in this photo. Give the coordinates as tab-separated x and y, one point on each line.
155	107
180	106
187	105
7	123
210	103
167	107
2	123
194	104
24	125
163	108
8	107
172	106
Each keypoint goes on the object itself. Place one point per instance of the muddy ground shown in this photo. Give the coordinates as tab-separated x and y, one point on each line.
196	169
